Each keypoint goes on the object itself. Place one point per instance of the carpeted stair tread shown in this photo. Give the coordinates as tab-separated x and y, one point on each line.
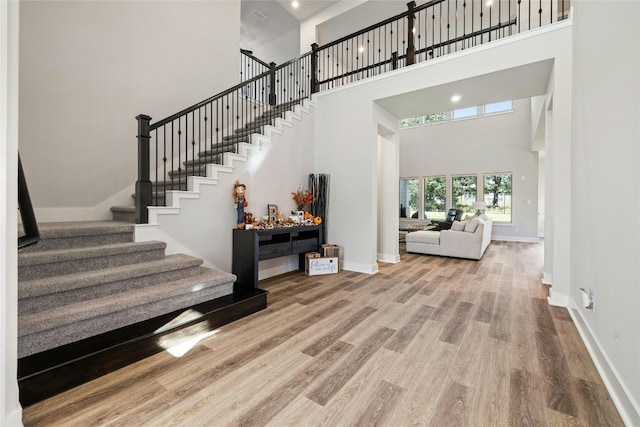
65	235
52	328
50	230
38	287
35	265
53	318
219	149
49	257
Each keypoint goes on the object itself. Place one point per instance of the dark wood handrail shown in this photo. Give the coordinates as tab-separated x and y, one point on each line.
28	216
249	54
224	93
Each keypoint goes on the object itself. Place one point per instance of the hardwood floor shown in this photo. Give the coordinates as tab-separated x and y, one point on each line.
428	341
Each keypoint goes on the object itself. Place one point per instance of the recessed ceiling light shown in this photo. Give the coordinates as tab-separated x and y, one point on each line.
489	3
360	49
295	4
455	98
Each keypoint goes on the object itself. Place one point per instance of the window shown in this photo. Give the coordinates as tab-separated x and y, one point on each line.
464	191
435	197
497	196
435	118
498	107
409	122
409	190
463	113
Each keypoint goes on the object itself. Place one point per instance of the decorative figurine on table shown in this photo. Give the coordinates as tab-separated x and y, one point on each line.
240	202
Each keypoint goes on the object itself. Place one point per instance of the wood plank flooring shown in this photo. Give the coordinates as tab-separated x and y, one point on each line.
428	341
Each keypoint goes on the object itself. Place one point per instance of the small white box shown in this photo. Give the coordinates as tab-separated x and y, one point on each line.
323	265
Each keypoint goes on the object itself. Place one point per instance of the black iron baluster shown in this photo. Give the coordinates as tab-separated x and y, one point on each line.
490	4
540	14
481	26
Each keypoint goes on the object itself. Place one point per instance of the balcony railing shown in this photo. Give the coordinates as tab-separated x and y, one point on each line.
181	145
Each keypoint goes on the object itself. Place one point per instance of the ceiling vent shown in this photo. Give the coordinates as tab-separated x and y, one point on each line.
259	14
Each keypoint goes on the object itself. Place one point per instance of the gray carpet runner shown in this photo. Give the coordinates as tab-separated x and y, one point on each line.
83	279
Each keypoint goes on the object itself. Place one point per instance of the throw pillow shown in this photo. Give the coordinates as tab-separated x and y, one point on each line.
471	225
458	226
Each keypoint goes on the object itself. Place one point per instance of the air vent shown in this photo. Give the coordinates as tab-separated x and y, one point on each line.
259	14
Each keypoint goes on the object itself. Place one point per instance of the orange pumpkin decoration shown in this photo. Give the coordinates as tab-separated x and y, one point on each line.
317	220
307	215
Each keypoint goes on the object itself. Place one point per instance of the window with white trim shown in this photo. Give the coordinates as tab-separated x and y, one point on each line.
464	190
464	113
409	122
498	107
436	118
497	196
409	193
435	197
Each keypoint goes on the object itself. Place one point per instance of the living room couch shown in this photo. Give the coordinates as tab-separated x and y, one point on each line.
466	239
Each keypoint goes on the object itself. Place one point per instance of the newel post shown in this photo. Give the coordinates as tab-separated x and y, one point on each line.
411	45
314	68
143	184
272	89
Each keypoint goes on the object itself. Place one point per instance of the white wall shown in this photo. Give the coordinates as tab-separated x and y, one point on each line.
309	26
485	144
361	16
606	177
344	141
88	68
10	411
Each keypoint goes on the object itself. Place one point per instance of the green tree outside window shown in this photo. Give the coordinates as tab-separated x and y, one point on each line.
435	197
465	190
497	196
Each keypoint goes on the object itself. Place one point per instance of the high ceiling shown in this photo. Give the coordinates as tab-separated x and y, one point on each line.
306	8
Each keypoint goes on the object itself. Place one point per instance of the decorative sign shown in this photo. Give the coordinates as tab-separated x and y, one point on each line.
319	266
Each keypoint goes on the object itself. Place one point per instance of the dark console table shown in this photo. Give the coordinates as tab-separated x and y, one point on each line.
251	246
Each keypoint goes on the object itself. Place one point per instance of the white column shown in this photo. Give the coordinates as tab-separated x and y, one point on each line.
10	410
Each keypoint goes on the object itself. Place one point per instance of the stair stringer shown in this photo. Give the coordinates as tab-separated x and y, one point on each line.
199	221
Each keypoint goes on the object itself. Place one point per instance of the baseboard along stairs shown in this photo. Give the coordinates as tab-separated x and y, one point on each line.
91	300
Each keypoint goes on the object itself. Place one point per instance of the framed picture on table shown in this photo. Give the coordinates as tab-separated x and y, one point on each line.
272	212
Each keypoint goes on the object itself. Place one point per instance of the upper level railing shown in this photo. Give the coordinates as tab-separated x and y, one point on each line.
183	144
424	32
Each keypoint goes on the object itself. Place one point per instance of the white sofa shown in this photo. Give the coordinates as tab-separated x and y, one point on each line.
465	239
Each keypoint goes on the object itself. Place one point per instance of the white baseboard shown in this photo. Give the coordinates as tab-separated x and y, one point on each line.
629	409
516	239
360	268
557	299
14	419
390	258
547	278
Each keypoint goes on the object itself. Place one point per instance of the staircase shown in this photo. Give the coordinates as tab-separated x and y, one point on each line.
242	140
90	301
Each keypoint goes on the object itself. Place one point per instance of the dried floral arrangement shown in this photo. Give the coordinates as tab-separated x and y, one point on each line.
303	198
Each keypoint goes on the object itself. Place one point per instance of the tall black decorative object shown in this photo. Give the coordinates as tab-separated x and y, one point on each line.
319	186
